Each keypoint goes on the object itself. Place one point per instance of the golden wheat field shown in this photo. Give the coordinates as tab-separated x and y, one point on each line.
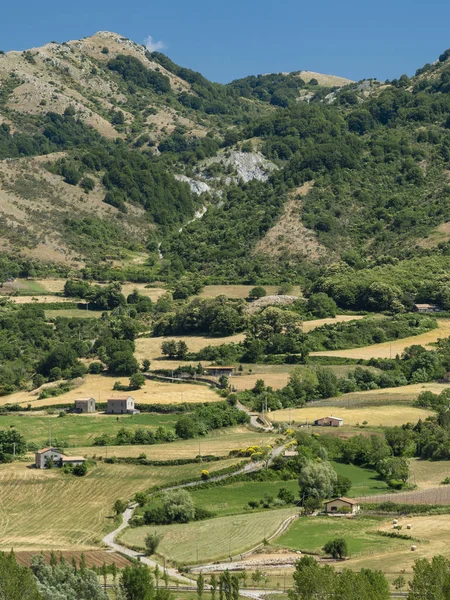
219	443
100	388
47	509
380	416
388	349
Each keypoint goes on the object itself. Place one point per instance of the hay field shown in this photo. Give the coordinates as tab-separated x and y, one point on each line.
39	299
241	291
310	325
382	416
388	349
211	539
432	533
151	347
73	313
46	509
427	474
152	293
397	395
277	376
100	387
219	443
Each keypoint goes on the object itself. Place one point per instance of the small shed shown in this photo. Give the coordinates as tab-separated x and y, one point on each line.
72	460
427	308
121	406
219	371
85	405
329	422
290	453
342	506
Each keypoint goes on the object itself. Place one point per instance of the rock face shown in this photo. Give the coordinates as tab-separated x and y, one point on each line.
248	165
197	187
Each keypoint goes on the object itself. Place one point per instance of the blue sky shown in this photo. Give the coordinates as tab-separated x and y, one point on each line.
234	38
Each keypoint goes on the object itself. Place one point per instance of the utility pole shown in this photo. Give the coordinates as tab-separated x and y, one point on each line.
49	433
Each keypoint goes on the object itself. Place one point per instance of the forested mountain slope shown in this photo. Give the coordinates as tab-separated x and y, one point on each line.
106	149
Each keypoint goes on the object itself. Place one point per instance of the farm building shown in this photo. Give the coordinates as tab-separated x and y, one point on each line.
329	422
427	308
290	453
85	405
121	406
342	506
59	459
219	371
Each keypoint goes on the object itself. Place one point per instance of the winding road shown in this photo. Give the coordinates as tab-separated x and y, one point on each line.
109	539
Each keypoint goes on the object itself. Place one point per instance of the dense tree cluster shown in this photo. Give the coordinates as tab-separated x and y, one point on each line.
216	317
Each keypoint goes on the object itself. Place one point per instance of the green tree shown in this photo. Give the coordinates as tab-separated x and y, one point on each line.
431	580
317	479
182	350
16	582
337	548
136	583
321	305
256	293
137	380
152	541
213	583
179	506
119	506
200	586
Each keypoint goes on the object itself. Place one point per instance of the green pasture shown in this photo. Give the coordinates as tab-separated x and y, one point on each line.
309	534
80	430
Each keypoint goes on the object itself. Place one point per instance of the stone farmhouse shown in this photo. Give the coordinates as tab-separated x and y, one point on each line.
59	459
85	405
121	406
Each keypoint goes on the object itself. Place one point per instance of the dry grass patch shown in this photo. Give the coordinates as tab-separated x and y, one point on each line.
381	416
388	349
240	291
151	347
432	533
310	325
218	444
396	395
100	387
428	474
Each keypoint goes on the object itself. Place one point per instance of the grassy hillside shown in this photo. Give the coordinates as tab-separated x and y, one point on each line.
101	132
